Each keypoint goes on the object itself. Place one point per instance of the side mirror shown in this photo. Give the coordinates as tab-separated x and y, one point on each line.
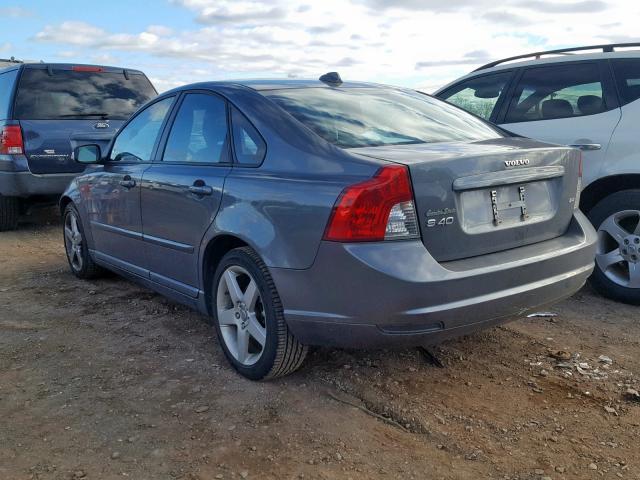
87	154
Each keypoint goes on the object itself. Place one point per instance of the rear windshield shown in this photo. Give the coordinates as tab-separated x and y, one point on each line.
370	117
68	94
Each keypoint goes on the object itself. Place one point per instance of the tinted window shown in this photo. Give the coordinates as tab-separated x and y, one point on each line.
546	93
248	144
68	94
368	117
199	133
136	141
478	95
6	89
627	73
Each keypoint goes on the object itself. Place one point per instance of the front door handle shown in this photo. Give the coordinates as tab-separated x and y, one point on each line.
128	182
585	147
201	189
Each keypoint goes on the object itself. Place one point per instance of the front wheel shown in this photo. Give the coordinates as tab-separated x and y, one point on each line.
617	271
249	318
75	245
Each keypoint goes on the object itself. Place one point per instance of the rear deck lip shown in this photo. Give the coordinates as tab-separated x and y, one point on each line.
508	177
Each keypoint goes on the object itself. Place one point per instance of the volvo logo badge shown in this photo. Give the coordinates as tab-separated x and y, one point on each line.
516	163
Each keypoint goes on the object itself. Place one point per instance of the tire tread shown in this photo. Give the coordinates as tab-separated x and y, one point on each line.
9	213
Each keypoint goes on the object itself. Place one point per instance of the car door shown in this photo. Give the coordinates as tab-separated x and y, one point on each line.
181	192
113	194
481	95
570	104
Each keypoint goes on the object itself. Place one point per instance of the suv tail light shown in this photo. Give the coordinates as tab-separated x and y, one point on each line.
381	208
11	140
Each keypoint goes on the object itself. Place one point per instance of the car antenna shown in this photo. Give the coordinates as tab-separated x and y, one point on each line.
331	78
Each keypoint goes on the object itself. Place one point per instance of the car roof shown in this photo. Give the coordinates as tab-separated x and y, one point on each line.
560	58
261	84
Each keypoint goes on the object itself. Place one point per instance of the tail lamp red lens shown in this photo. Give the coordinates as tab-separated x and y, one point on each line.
377	209
11	140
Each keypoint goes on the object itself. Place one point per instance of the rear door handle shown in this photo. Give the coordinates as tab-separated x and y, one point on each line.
128	182
201	189
587	146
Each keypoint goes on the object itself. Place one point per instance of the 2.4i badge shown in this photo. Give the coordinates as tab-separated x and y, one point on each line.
101	125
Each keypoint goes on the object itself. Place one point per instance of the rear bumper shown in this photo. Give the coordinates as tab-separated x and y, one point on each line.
25	184
395	293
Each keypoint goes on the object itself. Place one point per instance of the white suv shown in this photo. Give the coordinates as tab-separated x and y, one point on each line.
589	98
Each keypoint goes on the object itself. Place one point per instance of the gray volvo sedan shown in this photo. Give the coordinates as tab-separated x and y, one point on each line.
297	213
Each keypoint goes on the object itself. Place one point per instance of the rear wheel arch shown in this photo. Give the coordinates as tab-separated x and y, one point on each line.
214	251
603	187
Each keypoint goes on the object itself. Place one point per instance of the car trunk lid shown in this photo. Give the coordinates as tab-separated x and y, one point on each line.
48	144
58	105
482	197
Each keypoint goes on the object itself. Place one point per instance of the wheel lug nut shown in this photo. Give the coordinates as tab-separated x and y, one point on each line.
636	240
626	241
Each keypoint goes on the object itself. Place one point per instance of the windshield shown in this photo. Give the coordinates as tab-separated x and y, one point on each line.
371	117
68	94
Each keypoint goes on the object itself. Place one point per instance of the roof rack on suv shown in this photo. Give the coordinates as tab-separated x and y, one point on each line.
562	51
10	60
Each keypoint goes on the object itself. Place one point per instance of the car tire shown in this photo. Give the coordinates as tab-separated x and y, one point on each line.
9	213
617	271
249	318
75	246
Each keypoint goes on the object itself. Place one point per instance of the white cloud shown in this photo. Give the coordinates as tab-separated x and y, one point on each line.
15	12
421	43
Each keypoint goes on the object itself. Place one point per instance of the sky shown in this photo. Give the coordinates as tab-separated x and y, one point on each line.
421	44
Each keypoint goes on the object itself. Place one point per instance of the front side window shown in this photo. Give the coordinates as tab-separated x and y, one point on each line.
136	140
249	146
478	95
552	92
627	72
373	116
55	94
199	133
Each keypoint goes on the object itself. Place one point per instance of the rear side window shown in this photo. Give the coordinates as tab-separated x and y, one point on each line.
68	94
478	95
7	81
136	140
563	91
247	142
627	72
199	133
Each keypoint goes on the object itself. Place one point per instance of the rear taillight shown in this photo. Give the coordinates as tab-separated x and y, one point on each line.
11	140
381	208
579	186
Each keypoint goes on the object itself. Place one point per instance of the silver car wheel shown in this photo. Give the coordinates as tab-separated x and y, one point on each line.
73	241
618	255
241	315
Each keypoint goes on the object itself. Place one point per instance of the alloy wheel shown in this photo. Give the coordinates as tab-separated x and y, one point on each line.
241	315
73	241
618	255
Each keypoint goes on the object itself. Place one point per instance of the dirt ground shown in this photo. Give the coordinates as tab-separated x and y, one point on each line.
108	380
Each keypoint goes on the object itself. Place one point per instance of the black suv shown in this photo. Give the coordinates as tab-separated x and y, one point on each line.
45	110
